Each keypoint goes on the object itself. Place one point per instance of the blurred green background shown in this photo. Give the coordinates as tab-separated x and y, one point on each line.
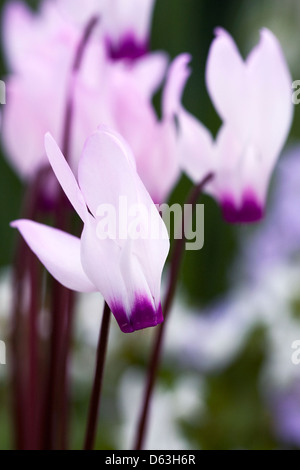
236	417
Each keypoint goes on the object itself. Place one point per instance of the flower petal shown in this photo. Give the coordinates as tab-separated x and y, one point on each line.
106	170
227	82
16	24
149	72
270	90
65	176
128	18
127	270
122	276
22	117
159	169
195	146
178	74
241	183
58	251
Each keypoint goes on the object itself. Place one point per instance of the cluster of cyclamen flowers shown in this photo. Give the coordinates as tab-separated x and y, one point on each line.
79	96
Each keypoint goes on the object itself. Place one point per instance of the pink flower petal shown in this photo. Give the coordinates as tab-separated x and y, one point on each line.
65	176
58	251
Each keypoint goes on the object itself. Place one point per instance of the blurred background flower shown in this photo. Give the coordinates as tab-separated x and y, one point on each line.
227	379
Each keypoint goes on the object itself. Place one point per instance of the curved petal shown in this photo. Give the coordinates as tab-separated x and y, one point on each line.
127	266
106	170
159	168
149	72
101	260
65	176
31	38
58	251
123	17
22	118
120	278
17	32
80	12
178	74
270	91
152	142
241	182
227	82
196	147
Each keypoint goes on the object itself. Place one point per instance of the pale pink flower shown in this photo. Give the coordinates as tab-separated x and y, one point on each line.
253	99
125	106
40	49
127	271
125	24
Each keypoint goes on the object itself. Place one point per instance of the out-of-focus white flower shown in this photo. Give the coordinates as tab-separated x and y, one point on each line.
181	402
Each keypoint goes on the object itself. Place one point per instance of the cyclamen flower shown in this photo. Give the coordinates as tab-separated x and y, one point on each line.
40	50
253	99
126	271
127	27
125	107
125	24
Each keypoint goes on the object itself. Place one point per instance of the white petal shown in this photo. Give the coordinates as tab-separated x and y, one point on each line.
195	147
178	74
270	90
149	72
126	270
128	16
17	22
227	83
106	170
65	176
58	251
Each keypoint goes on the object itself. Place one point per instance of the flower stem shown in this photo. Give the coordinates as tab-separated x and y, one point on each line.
98	379
176	260
23	270
33	375
56	383
65	396
78	59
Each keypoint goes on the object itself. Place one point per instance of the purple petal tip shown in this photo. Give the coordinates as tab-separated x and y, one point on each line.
143	315
129	47
249	211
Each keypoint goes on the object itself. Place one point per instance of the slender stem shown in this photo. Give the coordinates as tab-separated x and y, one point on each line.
64	373
78	59
33	353
17	348
55	383
176	260
98	379
21	271
89	29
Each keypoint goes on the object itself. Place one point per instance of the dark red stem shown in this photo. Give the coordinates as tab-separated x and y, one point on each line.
91	429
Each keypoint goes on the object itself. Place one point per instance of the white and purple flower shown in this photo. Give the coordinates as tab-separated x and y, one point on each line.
253	99
128	271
